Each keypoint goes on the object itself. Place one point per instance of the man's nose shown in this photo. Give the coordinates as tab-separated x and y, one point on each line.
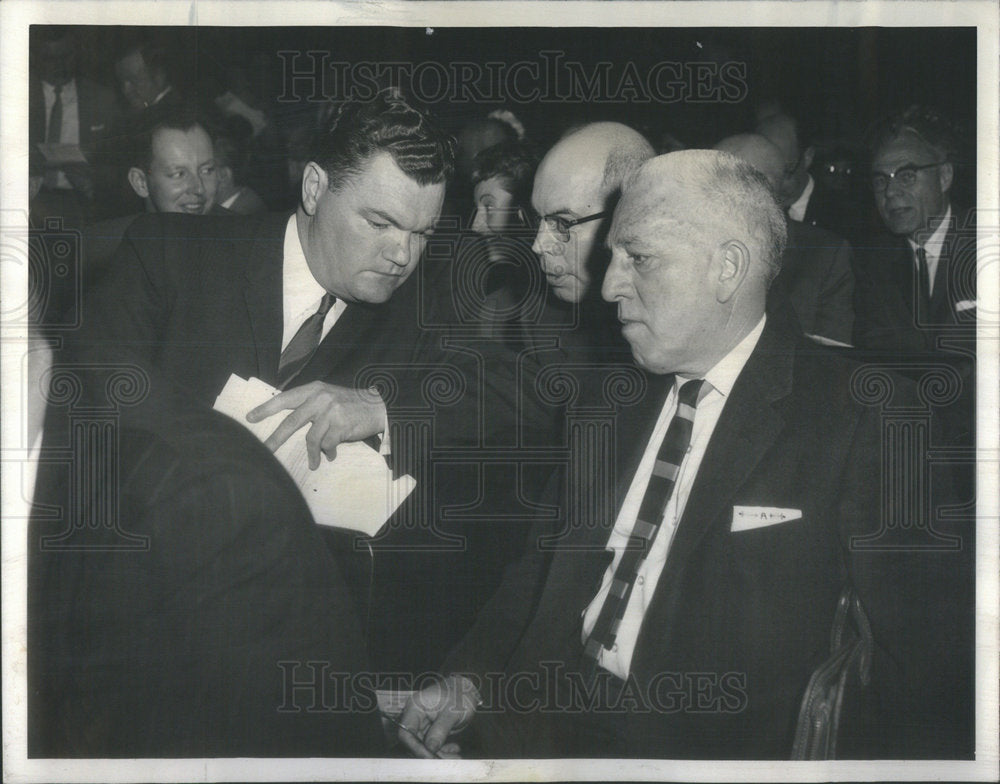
398	250
545	242
893	187
479	224
197	185
615	282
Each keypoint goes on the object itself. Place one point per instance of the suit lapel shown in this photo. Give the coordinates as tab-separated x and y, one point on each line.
748	427
263	294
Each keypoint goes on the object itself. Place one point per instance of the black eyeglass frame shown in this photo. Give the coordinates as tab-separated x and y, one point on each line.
562	226
907	169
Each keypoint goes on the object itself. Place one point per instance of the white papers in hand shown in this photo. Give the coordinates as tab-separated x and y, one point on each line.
355	491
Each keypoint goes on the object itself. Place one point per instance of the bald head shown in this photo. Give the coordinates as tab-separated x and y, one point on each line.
760	153
782	130
581	176
603	153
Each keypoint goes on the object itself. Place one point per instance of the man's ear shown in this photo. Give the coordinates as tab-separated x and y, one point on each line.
314	185
946	173
808	155
137	179
732	262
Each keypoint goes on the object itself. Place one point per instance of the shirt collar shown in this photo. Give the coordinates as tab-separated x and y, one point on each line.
933	244
724	373
68	90
797	210
300	291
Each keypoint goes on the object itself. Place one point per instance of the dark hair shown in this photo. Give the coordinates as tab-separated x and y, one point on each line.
924	121
139	144
154	54
387	123
513	163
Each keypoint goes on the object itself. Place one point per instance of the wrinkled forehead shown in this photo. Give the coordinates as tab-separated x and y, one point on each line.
655	208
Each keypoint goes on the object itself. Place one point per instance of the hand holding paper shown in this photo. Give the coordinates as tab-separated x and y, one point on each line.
355	491
337	414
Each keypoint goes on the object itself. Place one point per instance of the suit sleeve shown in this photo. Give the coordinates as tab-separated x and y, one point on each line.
124	312
835	312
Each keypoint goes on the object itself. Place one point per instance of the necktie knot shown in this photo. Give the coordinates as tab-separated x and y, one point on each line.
303	345
325	304
689	392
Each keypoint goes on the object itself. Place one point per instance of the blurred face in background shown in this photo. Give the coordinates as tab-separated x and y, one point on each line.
139	83
55	61
496	211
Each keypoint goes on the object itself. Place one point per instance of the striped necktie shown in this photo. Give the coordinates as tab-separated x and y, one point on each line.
647	524
303	345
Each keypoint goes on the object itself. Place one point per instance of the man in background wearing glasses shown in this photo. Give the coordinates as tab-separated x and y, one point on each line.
915	287
918	285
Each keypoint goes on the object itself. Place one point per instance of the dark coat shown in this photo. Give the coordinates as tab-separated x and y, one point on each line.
885	292
817	279
180	633
194	299
740	619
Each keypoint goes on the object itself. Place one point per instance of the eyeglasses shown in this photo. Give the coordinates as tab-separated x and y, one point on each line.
906	176
560	226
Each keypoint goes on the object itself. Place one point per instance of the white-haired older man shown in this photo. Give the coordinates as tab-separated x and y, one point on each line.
691	624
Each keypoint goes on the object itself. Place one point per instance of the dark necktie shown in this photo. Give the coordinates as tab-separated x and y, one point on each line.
54	130
647	524
53	134
925	279
303	345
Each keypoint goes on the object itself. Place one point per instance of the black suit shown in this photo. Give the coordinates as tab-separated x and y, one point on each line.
195	299
751	611
888	318
188	643
99	121
817	279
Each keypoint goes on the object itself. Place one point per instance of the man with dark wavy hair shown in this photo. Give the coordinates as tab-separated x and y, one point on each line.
197	299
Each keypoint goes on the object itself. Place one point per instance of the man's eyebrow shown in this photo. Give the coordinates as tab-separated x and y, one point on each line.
383	215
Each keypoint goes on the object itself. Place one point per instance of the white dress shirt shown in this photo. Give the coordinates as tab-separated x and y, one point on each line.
69	132
719	380
932	249
300	298
300	293
797	210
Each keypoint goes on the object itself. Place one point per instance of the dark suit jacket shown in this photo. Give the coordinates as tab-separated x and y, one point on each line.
817	278
98	110
187	642
739	620
195	299
885	294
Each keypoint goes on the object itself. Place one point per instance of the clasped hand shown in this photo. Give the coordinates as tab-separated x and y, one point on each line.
435	712
337	414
